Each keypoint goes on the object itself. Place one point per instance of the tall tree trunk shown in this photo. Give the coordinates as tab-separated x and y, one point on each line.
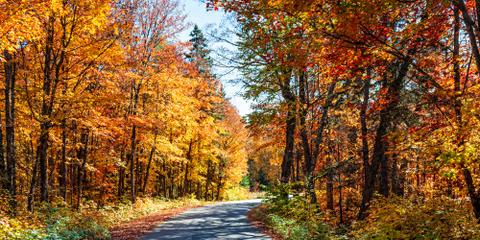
199	190
340	197
145	182
170	177
288	156
290	101
397	177
207	184
472	30
132	165
318	140
64	170
149	163
102	190
472	191
330	189
136	90
383	188
303	115
220	185
121	175
185	179
363	122
138	172
164	180
47	104
382	130
298	159
3	164
10	69
72	183
81	169
31	192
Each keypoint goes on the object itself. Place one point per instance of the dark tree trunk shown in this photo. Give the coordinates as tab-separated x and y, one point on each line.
10	69
43	156
3	164
288	156
135	95
185	181
207	184
318	140
138	173
64	170
145	182
383	188
472	191
220	185
397	185
72	182
185	178
132	165
303	126
47	104
298	159
31	192
290	101
382	130
81	169
472	29
164	180
330	189
121	176
170	177
323	122
340	198
102	191
199	190
363	121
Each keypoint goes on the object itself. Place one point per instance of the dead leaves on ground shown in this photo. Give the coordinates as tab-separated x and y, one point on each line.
139	227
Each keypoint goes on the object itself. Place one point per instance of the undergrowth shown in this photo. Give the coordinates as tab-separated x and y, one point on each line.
55	221
389	218
237	193
58	220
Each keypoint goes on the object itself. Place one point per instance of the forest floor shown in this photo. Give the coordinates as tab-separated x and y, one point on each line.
57	220
118	221
257	217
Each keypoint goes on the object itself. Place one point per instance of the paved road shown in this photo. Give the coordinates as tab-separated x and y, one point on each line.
217	221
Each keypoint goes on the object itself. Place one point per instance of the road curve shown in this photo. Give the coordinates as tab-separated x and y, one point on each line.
225	220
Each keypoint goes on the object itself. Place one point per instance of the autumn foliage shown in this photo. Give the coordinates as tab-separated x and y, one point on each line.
376	102
101	105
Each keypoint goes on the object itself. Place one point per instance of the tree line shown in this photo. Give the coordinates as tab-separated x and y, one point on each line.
363	97
102	103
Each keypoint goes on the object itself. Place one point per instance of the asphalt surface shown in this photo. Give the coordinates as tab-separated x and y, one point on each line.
226	220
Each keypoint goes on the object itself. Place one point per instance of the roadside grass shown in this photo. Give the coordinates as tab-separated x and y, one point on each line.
390	218
58	220
281	227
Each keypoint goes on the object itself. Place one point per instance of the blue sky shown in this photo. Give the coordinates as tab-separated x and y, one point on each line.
198	15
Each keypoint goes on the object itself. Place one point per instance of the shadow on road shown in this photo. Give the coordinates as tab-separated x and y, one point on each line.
218	221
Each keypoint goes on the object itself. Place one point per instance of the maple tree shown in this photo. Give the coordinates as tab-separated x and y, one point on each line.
379	96
101	103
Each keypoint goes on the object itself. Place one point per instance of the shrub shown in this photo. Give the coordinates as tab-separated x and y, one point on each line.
436	218
236	193
56	221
